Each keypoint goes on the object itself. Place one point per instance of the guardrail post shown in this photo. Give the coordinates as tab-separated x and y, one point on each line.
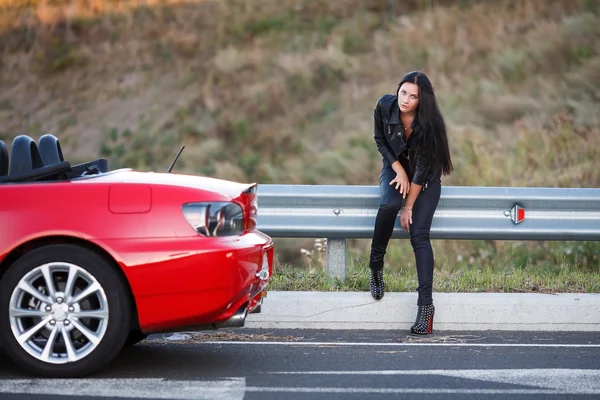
336	258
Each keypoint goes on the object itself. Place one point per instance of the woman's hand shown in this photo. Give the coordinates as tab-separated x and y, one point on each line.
402	184
406	218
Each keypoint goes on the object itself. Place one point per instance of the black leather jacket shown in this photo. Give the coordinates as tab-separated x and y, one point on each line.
389	132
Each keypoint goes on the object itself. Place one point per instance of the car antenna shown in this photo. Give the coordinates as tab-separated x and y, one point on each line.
175	160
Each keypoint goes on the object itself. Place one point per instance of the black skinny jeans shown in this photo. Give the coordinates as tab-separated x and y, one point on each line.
422	216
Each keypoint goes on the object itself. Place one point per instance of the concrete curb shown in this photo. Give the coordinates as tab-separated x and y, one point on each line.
454	311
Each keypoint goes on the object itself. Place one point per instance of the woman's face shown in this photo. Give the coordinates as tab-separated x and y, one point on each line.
408	97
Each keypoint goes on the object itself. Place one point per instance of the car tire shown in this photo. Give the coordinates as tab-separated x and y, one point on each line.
85	330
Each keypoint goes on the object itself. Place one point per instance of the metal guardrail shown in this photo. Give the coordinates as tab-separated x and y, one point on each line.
339	212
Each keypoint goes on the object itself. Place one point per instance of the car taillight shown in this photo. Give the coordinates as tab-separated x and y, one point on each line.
252	207
215	218
252	214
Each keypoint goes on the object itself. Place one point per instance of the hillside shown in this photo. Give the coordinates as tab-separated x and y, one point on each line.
282	91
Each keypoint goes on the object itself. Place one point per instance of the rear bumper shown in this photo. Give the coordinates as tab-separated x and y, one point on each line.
238	319
195	282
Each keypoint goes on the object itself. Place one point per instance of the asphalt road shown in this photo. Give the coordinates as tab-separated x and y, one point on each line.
306	364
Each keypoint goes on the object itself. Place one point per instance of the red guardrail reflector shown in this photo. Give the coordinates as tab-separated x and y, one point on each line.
517	214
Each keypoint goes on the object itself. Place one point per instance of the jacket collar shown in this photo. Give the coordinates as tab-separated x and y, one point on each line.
394	112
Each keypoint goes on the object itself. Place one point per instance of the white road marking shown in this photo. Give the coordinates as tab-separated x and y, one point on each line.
226	389
409	344
540	381
554	380
399	391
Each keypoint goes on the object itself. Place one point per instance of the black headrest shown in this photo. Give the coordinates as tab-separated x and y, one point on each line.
50	150
3	159
24	155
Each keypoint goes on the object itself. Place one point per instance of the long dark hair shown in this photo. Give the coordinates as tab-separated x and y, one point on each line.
431	137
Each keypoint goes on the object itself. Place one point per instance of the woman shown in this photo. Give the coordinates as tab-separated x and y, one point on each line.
410	134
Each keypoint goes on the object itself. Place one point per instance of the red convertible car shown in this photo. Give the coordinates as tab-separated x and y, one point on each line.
92	259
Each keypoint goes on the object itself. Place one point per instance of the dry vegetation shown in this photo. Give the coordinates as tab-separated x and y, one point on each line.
282	91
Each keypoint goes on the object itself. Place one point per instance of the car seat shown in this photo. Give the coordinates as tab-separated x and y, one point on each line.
26	163
3	159
24	156
50	150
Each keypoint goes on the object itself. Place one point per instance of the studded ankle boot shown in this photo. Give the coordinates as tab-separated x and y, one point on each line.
377	285
424	323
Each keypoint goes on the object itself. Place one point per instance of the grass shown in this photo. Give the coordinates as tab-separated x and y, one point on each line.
561	272
278	91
